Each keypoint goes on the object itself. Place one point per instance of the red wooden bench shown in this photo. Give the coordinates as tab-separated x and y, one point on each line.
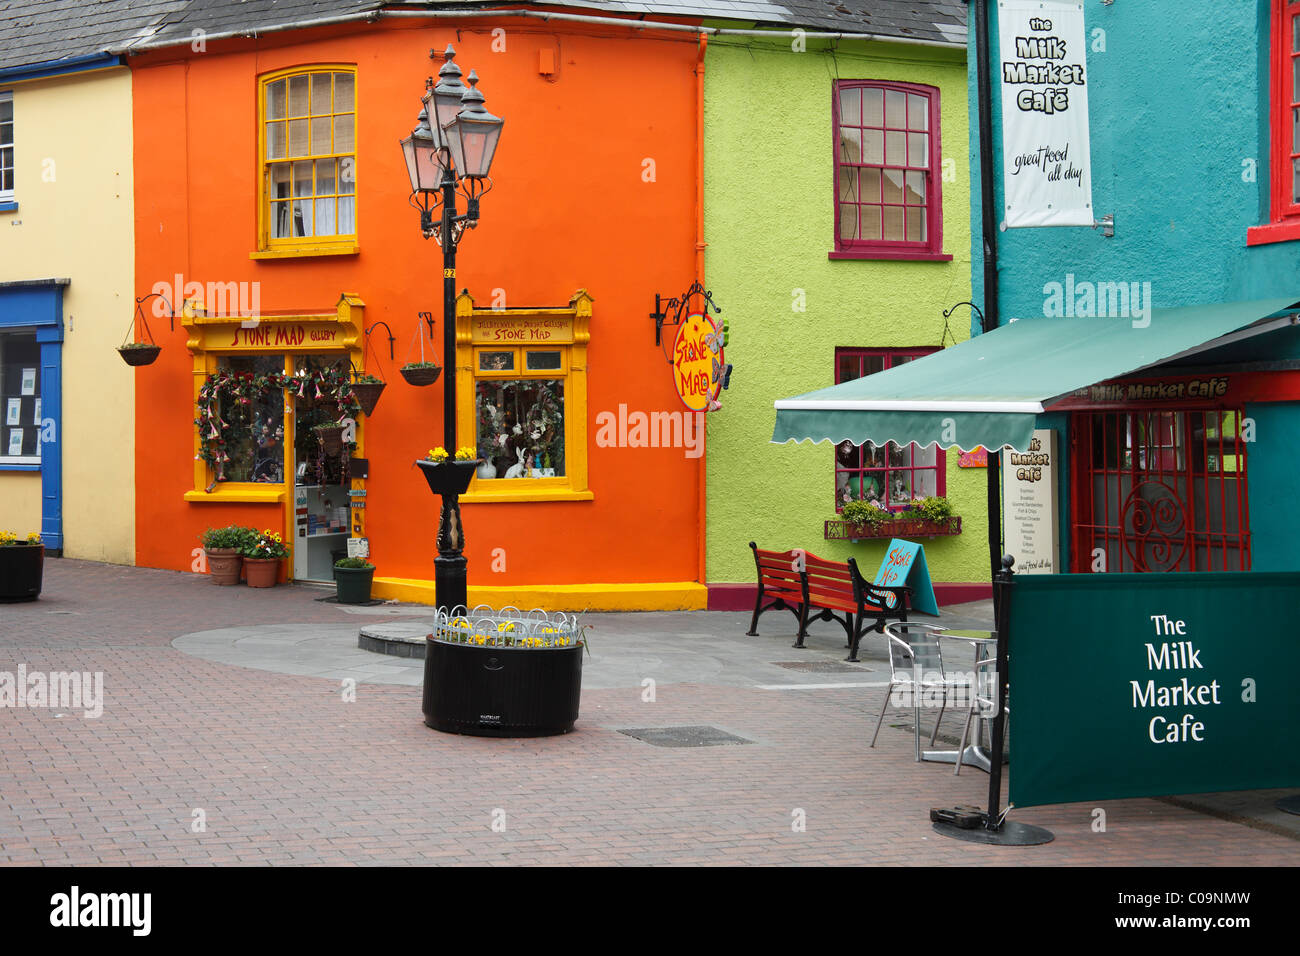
804	583
780	578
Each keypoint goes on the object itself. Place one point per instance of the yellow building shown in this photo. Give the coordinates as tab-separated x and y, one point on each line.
67	439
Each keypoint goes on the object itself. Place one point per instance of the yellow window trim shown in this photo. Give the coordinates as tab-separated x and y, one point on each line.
347	248
293	246
574	330
213	336
239	491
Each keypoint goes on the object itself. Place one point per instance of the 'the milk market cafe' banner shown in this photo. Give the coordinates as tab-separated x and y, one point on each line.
1045	151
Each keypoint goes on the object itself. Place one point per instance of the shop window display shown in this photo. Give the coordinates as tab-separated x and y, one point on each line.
520	427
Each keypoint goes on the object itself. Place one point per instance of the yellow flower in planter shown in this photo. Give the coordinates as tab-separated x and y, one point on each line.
466	453
437	454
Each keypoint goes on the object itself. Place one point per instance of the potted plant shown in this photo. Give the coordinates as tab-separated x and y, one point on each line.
367	388
353	577
503	673
22	566
262	556
139	353
447	476
421	373
224	548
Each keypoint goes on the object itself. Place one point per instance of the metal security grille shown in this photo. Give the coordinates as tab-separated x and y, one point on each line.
1159	491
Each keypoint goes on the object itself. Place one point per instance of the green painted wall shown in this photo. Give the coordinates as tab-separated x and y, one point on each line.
769	224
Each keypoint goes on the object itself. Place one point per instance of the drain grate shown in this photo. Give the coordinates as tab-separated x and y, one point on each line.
694	736
821	667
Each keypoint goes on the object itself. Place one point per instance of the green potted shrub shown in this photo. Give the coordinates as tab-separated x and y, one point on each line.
22	566
353	577
262	557
224	548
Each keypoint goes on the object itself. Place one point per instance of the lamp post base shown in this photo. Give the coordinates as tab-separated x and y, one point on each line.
450	581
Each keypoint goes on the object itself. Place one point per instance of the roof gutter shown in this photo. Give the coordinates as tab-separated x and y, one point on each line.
73	64
370	16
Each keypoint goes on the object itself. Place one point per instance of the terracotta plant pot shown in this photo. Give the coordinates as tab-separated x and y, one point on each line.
367	394
223	565
139	355
262	572
22	567
421	376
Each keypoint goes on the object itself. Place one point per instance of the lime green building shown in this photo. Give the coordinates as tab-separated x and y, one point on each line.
837	221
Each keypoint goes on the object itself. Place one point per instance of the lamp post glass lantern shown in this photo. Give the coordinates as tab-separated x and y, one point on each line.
450	150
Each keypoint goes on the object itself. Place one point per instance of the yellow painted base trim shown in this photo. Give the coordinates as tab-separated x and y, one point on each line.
663	596
253	496
497	497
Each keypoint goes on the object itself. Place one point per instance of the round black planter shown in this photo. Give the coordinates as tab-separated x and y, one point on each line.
501	691
22	567
353	584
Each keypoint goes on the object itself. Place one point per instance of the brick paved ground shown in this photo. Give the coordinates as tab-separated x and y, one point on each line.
287	772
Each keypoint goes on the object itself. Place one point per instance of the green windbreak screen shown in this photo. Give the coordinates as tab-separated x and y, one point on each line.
988	390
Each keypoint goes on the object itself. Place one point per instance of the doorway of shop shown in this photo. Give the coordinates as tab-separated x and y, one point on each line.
320	493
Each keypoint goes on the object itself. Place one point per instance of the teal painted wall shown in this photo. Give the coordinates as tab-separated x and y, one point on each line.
1179	125
1271	474
1177	105
769	223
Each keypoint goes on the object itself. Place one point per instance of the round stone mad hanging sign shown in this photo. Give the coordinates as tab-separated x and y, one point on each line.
700	368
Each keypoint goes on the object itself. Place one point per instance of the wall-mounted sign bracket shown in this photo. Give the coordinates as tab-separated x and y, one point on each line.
696	299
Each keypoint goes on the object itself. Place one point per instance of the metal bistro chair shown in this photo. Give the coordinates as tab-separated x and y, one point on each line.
916	662
983	702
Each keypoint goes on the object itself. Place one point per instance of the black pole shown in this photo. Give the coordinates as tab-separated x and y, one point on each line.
449	567
989	230
1002	602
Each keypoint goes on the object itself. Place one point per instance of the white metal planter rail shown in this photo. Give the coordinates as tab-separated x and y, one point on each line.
508	627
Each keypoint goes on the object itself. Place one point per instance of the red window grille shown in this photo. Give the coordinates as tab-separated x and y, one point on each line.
887	170
891	474
1159	491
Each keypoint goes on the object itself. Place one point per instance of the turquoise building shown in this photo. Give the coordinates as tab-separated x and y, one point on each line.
1186	463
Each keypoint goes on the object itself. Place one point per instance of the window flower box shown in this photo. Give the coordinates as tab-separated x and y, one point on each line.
895	528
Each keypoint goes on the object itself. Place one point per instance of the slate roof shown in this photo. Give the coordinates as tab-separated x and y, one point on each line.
41	31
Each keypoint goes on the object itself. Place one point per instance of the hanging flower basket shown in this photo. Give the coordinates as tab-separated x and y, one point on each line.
140	353
425	373
367	394
330	438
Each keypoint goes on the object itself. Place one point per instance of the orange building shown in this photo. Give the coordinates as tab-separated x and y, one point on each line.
271	208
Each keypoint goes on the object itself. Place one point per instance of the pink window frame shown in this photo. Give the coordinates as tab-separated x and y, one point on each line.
932	248
940	466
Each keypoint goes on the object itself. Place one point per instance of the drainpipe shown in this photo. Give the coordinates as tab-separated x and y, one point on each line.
989	231
700	246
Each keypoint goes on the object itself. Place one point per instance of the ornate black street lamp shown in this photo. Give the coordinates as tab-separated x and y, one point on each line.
450	150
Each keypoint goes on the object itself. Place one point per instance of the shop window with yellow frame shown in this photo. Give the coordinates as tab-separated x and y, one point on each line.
524	405
307	175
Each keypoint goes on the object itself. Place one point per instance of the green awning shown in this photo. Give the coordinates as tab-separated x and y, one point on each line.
989	390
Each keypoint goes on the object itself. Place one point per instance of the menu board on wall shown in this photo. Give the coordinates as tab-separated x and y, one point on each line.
1030	505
